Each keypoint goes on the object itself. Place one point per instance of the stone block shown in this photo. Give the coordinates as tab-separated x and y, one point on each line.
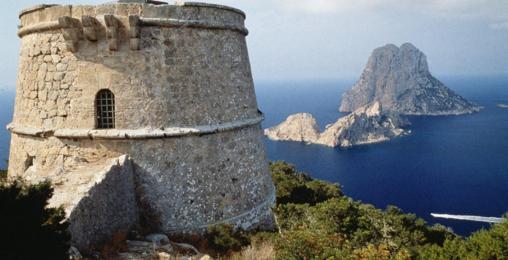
99	201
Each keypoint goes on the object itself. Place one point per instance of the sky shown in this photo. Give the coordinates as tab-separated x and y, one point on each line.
293	40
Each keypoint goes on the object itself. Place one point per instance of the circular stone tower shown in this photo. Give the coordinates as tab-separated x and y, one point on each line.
168	85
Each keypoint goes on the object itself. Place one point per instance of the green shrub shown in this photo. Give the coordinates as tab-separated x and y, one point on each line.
294	187
311	244
29	230
224	238
312	213
316	221
483	244
489	244
453	249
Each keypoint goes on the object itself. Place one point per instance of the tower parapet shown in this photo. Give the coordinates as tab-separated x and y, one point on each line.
168	85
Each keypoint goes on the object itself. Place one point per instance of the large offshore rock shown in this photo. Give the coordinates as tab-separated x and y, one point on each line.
367	124
301	127
399	78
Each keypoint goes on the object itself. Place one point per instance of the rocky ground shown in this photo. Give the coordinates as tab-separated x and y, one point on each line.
153	246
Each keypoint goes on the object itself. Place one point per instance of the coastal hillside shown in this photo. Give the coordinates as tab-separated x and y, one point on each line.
315	220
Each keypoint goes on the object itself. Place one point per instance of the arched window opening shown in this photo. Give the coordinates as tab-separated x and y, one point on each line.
105	109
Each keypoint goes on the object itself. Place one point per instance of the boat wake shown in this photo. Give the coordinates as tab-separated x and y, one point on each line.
468	218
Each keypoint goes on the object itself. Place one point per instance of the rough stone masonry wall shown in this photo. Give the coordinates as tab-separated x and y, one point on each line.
189	189
46	78
186	110
182	187
99	200
181	76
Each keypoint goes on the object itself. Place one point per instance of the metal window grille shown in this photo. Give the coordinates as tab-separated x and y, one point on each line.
105	109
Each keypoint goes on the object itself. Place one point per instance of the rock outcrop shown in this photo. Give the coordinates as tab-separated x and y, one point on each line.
367	124
300	127
99	200
153	246
399	78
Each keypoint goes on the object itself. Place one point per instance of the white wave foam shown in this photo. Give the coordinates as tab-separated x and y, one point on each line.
468	218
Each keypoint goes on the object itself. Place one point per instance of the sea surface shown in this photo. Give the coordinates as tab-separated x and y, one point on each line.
449	165
6	109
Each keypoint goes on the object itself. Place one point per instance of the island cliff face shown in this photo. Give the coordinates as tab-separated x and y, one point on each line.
367	124
399	78
301	127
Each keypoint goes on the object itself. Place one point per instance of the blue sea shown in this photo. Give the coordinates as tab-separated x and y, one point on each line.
450	165
6	109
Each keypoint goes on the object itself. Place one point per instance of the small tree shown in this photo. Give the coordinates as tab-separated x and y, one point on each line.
30	230
296	187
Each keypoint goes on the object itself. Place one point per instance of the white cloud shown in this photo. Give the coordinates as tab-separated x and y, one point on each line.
499	26
493	9
328	6
492	13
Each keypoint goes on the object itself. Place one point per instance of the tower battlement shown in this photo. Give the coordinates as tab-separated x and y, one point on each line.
120	22
167	88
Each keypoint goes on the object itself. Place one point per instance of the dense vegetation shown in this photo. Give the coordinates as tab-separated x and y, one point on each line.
317	221
29	229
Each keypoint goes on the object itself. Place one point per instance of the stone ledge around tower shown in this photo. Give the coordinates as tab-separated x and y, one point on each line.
184	11
223	7
144	133
122	22
258	217
143	2
151	2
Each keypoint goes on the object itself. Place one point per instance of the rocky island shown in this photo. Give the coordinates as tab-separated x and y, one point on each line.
368	124
301	127
400	79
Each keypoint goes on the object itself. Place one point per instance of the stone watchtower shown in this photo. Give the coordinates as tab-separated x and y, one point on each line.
140	108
